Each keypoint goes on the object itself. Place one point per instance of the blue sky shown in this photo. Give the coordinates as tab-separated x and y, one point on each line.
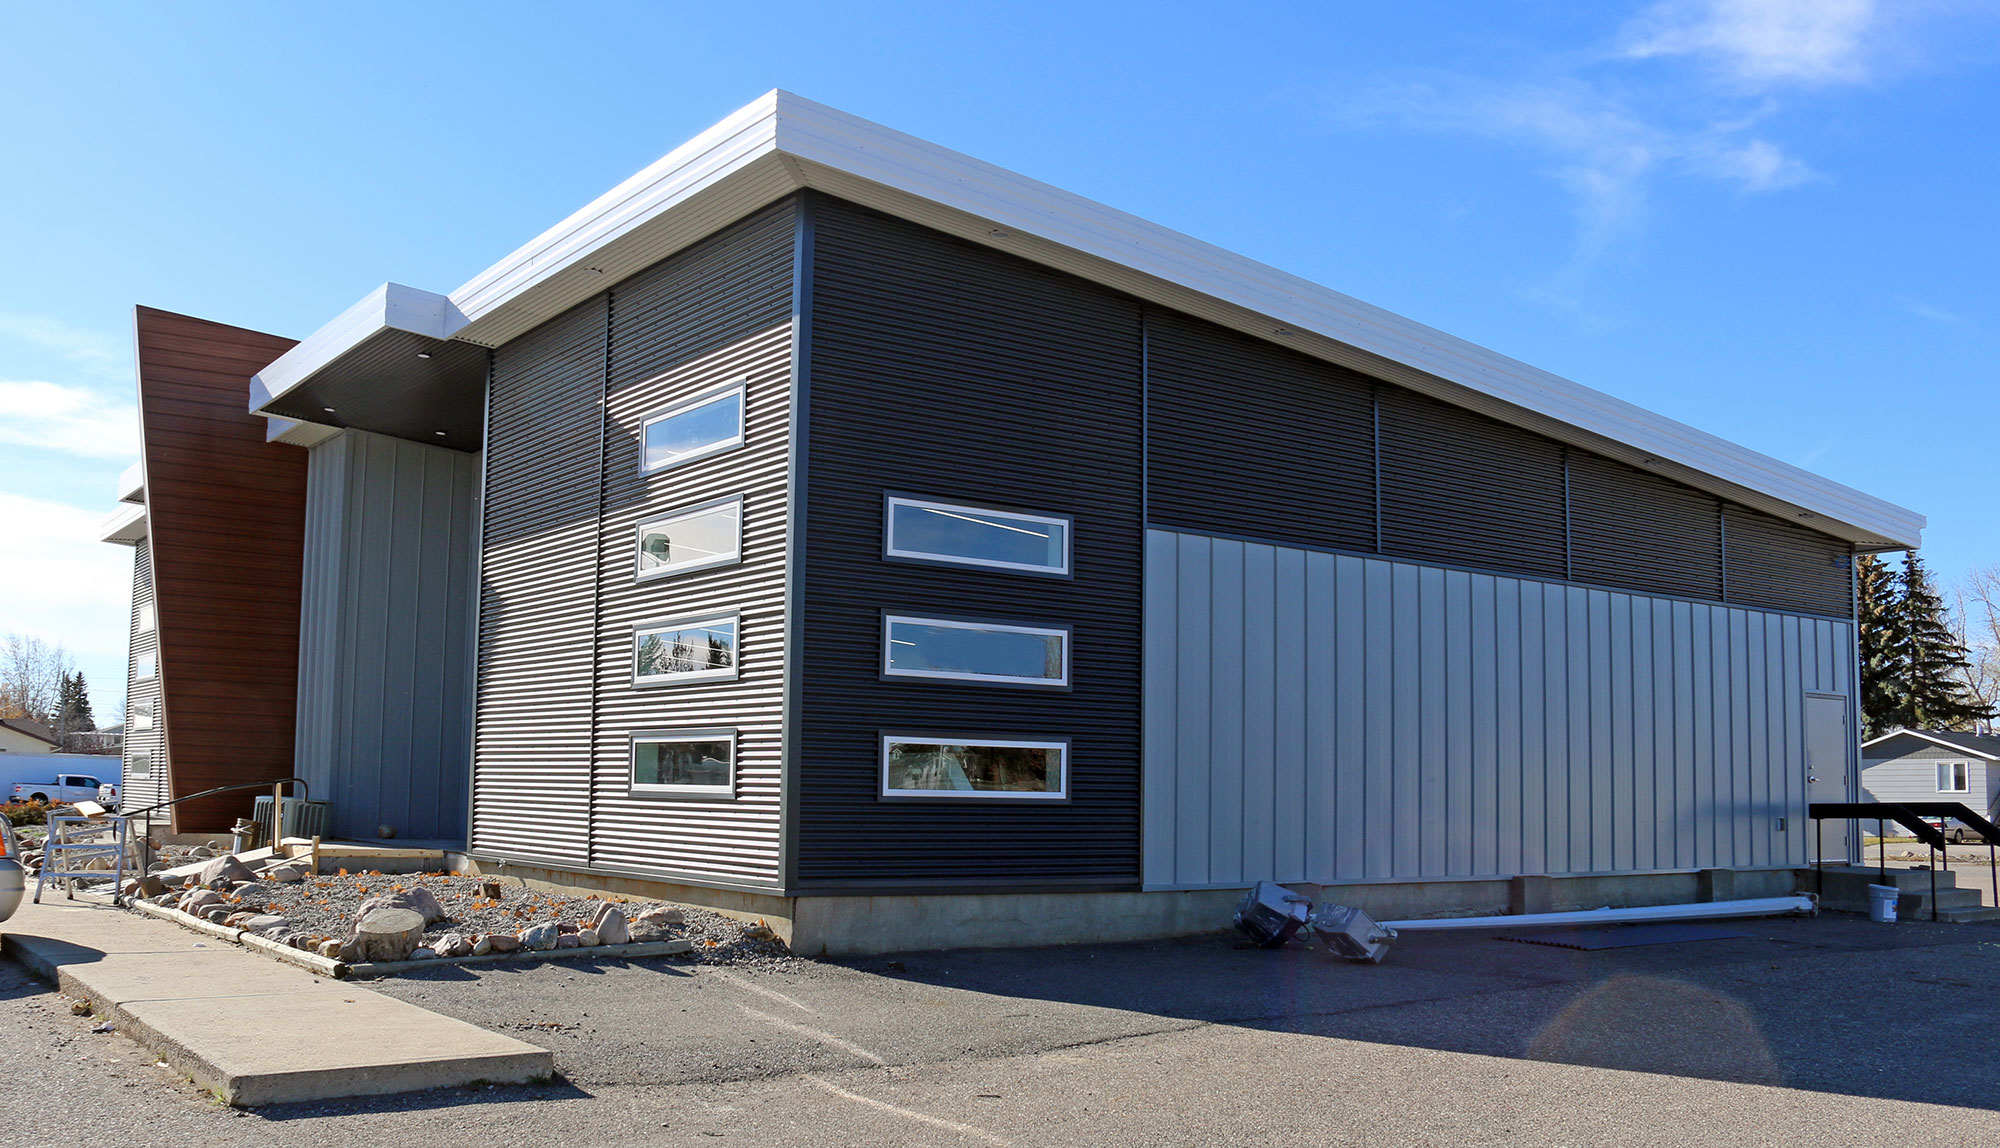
1772	219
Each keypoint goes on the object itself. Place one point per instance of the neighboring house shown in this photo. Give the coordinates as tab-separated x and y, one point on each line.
827	525
1933	765
24	735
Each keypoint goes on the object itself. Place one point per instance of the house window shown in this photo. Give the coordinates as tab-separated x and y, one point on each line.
687	763
145	618
1954	777
142	715
695	429
147	665
973	536
927	767
140	766
989	652
694	538
684	650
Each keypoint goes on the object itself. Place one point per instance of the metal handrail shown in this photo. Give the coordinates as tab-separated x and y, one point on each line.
1914	816
305	793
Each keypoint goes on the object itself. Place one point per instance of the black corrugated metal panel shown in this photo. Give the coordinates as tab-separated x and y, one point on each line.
722	290
949	370
1640	531
1251	439
539	512
1462	489
1779	565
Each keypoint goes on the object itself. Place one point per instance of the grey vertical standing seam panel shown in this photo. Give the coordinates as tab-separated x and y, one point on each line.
537	572
384	668
139	792
1613	732
1779	565
949	370
715	314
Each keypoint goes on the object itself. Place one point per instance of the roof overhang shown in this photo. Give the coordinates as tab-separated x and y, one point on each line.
126	525
132	483
1934	740
366	365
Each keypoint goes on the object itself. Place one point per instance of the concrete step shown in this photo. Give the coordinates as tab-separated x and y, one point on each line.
248	1028
1968	916
1905	878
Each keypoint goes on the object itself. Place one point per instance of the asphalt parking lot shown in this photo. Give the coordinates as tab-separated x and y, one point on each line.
1799	1032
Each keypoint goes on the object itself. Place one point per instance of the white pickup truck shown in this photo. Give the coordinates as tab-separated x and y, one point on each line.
66	789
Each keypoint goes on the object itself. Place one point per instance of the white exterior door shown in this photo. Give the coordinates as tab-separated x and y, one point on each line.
1830	748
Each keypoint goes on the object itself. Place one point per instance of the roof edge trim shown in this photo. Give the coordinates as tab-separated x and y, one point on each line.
391	306
1933	739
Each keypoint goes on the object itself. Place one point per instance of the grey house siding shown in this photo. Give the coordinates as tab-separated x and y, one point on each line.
1323	717
1906	770
556	702
947	370
136	792
385	674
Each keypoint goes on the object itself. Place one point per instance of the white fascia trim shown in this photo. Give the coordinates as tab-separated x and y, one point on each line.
391	306
1937	741
124	526
132	483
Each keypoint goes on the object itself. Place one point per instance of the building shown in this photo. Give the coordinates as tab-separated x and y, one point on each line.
1933	765
826	525
26	736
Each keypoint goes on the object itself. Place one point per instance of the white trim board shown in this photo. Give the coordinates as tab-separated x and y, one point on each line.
782	143
1934	740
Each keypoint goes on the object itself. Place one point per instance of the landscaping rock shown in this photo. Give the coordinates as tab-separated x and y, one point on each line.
609	924
452	945
540	937
387	934
251	889
418	900
567	941
482	947
200	901
656	924
147	886
759	932
285	874
422	954
587	938
490	889
329	949
263	923
217	913
223	870
502	943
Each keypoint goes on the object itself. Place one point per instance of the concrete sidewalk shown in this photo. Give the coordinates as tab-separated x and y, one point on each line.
250	1029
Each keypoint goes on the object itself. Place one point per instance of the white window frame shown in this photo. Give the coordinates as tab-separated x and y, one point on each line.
133	769
146	666
681	622
641	574
889	622
890	549
739	388
144	708
1955	767
1061	746
678	736
148	618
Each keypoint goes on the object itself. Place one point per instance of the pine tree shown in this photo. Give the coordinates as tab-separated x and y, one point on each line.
1883	691
1933	662
81	720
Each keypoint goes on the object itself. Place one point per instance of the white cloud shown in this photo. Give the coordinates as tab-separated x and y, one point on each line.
59	583
102	354
1761	43
1923	310
71	419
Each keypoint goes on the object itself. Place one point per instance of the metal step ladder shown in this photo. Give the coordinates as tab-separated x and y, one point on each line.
74	842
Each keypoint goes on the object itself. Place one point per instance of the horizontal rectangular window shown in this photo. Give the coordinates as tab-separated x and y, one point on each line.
696	538
990	652
917	766
972	536
142	715
140	766
1954	777
146	665
694	429
693	763
684	650
145	618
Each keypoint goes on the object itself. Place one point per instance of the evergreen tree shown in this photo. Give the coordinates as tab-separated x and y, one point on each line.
1879	602
1933	661
76	713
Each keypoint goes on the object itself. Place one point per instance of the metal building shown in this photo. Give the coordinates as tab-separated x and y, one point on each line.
826	525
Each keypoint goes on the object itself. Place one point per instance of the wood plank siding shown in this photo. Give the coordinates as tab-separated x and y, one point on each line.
227	513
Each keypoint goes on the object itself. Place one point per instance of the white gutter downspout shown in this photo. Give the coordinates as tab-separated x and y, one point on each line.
1805	903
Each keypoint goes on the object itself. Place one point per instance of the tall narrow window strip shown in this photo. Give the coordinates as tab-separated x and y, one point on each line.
685	763
992	653
976	536
699	648
695	429
696	538
919	766
146	618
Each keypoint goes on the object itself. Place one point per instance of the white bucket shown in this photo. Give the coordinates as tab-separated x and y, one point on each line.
1882	903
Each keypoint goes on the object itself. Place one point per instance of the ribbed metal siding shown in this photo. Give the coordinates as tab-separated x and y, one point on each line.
1459	487
1320	717
1640	531
1254	439
1780	566
949	370
1912	776
676	331
538	568
384	673
138	792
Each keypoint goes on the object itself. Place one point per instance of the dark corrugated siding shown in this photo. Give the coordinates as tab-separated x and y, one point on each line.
1781	566
1461	489
949	370
1222	406
1639	531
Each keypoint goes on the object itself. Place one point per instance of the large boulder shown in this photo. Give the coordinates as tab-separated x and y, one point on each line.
608	922
418	900
223	871
285	874
200	901
540	937
502	943
658	923
385	934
